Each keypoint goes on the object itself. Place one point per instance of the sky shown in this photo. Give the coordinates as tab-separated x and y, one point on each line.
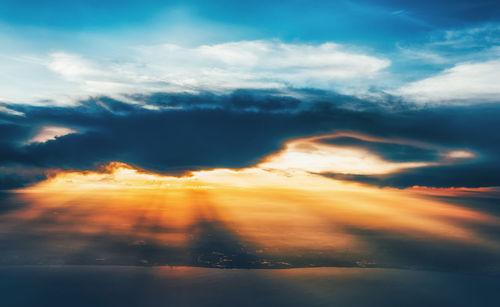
427	53
252	134
179	86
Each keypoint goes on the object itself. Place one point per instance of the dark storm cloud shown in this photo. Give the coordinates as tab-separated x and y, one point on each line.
189	132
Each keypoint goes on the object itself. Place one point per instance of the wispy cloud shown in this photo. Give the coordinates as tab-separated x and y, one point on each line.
454	46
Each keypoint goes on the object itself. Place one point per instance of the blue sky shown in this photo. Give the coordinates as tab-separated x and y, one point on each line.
378	23
63	51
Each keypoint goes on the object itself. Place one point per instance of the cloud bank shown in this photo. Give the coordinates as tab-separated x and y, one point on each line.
186	132
216	68
461	66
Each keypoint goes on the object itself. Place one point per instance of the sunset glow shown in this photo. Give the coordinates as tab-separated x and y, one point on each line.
249	153
274	207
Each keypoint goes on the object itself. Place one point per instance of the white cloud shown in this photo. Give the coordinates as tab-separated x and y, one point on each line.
73	67
217	67
465	83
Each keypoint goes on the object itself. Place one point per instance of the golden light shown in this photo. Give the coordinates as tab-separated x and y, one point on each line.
277	206
308	155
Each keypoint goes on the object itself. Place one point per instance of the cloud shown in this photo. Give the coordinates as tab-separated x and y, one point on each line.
455	46
217	68
463	84
314	156
74	67
443	54
6	110
482	36
187	132
48	133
